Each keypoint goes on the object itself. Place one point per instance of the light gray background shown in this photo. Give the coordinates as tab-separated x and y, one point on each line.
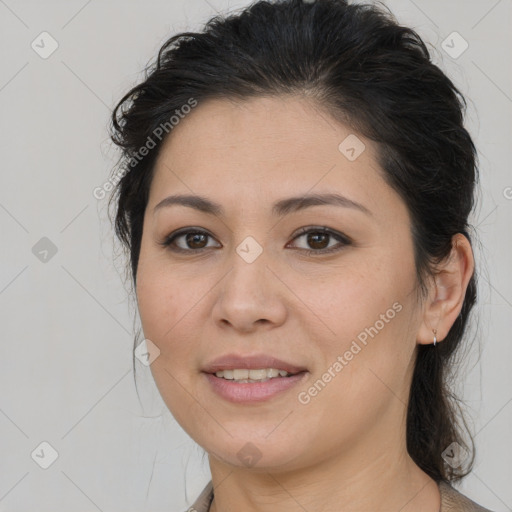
65	372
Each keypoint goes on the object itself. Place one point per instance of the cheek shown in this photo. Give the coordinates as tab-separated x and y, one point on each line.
165	308
155	299
350	298
172	312
162	296
161	304
366	310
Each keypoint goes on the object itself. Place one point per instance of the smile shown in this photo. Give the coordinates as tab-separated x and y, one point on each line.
251	378
244	375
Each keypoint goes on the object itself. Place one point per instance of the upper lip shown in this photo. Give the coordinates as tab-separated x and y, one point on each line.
250	362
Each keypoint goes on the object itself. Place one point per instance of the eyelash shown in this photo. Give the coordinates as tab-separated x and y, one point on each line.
342	239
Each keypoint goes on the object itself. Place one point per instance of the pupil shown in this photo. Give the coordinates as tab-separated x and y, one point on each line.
191	239
317	240
314	243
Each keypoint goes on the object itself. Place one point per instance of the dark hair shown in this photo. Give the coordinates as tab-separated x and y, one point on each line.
376	76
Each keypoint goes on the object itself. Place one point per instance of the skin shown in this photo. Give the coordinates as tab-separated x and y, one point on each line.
347	445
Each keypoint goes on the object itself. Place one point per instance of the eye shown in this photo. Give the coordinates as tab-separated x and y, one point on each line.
320	237
191	240
196	240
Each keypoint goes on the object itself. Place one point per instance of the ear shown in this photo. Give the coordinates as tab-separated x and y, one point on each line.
447	291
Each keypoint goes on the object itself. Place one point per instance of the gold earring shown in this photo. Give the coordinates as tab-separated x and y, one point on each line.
435	339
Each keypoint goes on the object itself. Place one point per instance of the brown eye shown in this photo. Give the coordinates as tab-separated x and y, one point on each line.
187	241
195	240
318	240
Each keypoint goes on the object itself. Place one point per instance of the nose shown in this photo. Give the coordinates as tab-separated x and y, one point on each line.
250	296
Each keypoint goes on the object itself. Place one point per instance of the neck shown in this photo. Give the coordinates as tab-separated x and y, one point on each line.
354	482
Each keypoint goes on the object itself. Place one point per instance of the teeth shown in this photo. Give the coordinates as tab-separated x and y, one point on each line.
240	374
245	375
257	374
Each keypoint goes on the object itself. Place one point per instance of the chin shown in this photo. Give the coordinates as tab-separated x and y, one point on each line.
257	453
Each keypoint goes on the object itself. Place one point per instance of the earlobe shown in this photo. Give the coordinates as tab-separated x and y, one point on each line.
447	292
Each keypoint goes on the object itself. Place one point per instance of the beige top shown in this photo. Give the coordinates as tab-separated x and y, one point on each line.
451	500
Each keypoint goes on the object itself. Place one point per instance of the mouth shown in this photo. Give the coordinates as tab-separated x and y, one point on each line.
251	379
246	376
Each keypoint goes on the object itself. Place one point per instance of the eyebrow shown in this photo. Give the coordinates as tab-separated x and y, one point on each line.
280	208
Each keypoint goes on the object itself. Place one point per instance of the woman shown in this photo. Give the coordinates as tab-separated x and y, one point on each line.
294	197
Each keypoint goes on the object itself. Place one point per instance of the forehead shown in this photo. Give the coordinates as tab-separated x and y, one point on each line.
267	147
263	128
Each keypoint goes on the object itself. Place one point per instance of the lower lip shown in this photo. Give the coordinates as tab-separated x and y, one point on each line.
249	392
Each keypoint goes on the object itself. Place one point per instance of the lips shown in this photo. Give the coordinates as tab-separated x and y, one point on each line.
251	362
243	392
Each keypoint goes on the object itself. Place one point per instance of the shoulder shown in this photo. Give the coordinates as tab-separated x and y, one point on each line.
454	501
203	501
451	500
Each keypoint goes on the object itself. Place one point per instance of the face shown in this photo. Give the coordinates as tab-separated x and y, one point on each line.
326	292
